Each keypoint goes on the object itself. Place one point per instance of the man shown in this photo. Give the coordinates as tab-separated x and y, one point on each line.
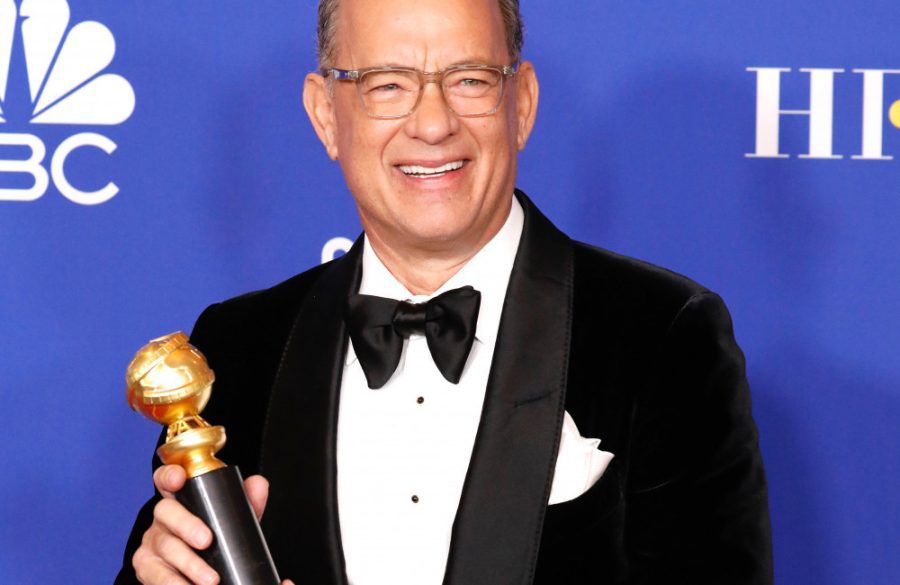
410	464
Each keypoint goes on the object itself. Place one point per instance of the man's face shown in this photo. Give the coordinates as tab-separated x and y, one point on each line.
454	211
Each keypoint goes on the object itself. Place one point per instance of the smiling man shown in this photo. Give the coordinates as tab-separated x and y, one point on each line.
432	171
428	408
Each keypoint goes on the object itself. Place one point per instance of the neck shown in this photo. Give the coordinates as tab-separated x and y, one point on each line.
421	272
425	268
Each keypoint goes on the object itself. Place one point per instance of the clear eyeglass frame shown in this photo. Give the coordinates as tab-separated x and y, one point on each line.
357	76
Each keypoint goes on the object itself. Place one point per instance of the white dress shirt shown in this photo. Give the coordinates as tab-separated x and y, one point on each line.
403	450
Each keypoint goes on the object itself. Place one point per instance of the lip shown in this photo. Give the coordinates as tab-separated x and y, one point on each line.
432	164
445	180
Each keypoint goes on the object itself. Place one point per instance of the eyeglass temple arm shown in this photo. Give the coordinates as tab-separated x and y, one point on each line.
339	74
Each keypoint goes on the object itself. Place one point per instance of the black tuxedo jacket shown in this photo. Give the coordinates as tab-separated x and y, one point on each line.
640	357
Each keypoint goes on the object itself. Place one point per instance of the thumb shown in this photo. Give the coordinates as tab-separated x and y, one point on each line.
257	490
168	479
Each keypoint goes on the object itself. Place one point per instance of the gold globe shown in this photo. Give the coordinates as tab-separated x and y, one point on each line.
169	381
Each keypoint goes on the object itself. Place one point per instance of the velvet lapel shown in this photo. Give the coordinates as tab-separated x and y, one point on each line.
298	453
497	530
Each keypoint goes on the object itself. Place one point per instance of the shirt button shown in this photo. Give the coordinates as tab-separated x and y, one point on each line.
420	399
415	499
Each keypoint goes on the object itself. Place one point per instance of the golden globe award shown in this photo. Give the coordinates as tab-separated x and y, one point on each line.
169	381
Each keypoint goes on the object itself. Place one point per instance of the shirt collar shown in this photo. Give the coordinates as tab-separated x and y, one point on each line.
487	271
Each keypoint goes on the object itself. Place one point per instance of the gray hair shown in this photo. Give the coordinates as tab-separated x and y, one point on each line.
509	9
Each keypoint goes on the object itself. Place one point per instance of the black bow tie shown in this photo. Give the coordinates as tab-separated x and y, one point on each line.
378	327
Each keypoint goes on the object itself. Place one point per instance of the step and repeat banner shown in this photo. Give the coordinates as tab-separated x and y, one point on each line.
155	158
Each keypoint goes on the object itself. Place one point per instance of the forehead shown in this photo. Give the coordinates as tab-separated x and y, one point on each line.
429	34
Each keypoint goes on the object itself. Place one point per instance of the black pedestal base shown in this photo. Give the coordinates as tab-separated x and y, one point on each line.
238	551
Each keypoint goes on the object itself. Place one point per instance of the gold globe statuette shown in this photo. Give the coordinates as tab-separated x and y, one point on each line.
169	381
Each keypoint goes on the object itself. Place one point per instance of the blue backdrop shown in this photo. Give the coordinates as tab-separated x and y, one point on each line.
648	112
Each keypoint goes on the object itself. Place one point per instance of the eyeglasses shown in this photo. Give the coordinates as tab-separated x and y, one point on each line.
395	92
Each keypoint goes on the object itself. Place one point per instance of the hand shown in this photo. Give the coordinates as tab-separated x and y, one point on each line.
166	555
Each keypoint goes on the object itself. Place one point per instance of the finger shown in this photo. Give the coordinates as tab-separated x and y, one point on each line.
287	582
257	489
175	518
175	554
168	479
152	571
149	568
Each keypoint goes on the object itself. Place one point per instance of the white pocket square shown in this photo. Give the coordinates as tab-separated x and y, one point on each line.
579	463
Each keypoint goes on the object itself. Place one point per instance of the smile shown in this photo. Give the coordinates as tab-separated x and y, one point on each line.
421	172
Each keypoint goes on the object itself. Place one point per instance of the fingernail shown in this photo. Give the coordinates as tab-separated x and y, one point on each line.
210	577
202	538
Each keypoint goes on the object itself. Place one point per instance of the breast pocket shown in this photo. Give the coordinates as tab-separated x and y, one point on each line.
582	541
594	509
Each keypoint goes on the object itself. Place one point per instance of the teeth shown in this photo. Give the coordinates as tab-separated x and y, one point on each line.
428	171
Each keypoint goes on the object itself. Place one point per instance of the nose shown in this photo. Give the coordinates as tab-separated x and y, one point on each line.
432	122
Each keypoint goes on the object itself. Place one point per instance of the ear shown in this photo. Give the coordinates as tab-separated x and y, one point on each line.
527	92
320	109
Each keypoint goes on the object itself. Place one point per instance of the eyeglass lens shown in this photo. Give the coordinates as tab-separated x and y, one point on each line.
469	92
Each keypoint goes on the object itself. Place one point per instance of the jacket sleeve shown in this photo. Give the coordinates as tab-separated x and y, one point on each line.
697	509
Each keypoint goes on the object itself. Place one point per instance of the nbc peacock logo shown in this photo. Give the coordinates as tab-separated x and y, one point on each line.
67	85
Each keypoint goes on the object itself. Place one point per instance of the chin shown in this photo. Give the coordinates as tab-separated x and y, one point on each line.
436	228
433	234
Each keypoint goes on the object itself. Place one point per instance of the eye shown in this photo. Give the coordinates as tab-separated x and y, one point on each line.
470	82
385	87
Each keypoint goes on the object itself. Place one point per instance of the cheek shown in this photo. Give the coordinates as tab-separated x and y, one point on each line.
504	130
353	134
364	142
364	146
349	141
499	141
